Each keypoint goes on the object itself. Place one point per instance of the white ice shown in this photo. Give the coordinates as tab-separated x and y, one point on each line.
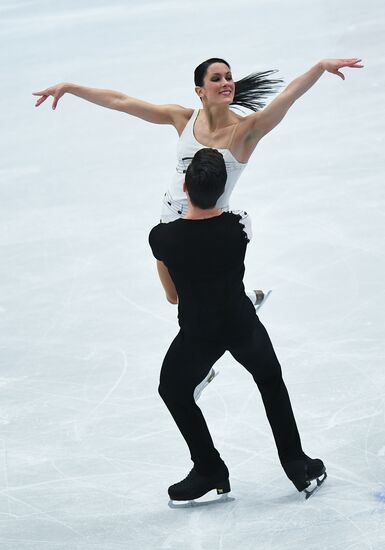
87	447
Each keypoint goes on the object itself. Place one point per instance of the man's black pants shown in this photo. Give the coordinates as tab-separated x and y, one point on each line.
186	364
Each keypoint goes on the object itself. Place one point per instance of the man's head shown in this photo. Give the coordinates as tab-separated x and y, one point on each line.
206	178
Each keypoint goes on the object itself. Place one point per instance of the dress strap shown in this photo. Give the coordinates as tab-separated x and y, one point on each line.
193	121
232	135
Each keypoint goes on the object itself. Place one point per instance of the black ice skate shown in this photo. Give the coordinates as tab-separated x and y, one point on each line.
196	485
303	471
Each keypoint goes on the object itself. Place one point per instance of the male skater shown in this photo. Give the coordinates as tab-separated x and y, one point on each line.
201	266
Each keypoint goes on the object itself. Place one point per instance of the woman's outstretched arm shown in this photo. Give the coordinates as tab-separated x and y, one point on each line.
157	114
262	122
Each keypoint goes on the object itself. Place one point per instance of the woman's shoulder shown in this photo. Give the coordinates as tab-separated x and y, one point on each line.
180	116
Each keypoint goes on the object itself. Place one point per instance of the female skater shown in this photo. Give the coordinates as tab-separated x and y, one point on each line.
215	125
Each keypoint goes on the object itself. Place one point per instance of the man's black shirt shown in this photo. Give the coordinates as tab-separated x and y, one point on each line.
205	259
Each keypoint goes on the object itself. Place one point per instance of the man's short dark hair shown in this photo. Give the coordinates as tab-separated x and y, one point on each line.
206	178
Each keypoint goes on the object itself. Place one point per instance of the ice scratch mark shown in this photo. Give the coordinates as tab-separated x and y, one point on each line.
80	427
364	536
381	452
45	514
144	309
5	470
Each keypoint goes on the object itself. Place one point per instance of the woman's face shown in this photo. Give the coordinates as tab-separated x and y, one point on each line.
218	85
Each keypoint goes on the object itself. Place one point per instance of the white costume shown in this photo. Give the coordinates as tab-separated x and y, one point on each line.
175	200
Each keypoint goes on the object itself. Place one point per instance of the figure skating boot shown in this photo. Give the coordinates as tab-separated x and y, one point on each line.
196	485
303	471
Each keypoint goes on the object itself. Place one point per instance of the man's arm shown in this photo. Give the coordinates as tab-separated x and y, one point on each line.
167	282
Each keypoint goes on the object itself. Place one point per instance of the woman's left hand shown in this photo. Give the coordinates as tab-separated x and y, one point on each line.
333	65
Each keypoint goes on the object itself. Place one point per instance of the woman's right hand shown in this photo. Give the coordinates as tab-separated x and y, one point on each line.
56	91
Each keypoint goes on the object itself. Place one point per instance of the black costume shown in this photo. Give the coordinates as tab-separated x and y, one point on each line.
206	261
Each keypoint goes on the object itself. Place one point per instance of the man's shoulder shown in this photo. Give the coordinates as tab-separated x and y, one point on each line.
163	227
163	230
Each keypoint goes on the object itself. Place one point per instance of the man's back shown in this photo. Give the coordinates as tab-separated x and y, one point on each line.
205	259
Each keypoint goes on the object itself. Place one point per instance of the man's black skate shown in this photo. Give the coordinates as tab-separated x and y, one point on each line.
303	471
196	485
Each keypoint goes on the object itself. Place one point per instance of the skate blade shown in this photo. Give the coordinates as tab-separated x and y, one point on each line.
199	389
223	499
315	486
258	307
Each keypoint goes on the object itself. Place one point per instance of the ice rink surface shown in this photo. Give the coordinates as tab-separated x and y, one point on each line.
87	447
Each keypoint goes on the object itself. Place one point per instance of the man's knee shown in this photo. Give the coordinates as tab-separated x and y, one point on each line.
174	391
166	390
162	391
270	374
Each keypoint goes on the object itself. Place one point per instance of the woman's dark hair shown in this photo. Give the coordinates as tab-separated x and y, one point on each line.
206	178
251	91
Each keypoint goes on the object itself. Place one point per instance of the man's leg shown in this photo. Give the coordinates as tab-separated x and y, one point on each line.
185	365
257	355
